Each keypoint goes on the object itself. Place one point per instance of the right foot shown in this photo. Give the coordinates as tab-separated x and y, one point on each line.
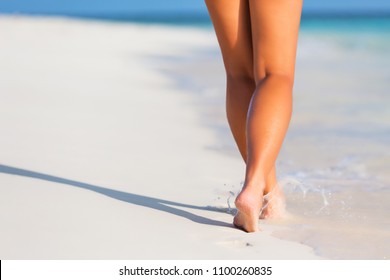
248	204
274	204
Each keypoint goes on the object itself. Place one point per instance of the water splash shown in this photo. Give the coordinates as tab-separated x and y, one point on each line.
317	193
231	210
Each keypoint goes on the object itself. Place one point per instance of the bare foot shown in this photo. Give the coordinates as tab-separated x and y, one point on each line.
248	204
274	204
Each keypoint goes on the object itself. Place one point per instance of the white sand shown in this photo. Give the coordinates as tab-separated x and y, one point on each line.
98	150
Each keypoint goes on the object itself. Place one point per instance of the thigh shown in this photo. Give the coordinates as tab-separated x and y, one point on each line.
275	26
231	20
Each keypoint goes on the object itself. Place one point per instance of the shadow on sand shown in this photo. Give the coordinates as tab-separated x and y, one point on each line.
145	201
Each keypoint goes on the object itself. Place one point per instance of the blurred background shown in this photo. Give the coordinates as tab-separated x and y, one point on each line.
173	10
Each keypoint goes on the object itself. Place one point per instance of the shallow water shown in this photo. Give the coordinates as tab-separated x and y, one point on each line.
335	160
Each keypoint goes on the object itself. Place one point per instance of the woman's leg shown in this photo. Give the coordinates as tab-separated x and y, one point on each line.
275	25
231	20
232	26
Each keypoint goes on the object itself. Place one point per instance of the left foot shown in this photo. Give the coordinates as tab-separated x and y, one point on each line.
248	204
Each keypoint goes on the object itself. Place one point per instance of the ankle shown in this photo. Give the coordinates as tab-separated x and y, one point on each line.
270	188
258	185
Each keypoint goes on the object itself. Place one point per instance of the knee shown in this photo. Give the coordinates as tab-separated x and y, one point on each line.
240	76
281	78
